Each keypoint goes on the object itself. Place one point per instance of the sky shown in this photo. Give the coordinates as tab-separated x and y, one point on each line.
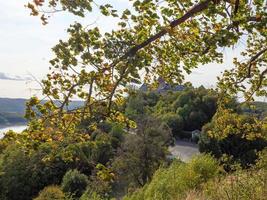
25	48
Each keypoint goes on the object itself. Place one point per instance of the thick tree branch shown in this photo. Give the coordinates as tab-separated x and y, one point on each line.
250	64
132	51
194	10
254	58
258	86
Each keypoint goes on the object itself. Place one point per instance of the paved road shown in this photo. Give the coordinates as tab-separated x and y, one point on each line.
184	150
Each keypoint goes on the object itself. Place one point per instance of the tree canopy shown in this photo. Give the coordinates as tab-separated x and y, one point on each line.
154	38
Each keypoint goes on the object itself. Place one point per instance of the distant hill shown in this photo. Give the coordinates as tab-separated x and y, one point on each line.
258	108
12	110
8	105
261	106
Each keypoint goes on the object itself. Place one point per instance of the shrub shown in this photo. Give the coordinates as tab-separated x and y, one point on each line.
74	183
142	153
245	185
24	175
174	182
46	164
14	170
51	193
237	136
91	196
117	134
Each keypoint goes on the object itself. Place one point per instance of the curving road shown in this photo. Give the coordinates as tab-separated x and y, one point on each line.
184	150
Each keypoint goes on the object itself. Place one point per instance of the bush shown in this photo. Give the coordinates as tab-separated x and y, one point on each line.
239	137
175	181
117	134
46	164
74	183
14	170
142	153
91	196
245	185
51	193
23	175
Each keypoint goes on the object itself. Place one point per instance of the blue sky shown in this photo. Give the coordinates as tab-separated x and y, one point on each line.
26	48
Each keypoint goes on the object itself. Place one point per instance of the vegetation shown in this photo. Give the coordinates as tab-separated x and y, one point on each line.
74	183
51	193
182	111
175	181
112	159
142	153
238	136
200	179
116	143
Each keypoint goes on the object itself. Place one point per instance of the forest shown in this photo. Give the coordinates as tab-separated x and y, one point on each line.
115	145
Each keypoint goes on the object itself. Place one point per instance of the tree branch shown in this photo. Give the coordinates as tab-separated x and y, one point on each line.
132	51
253	59
194	10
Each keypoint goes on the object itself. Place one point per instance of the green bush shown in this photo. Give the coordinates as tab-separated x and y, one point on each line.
117	134
245	185
15	175
174	182
91	196
23	175
74	183
237	136
51	193
46	164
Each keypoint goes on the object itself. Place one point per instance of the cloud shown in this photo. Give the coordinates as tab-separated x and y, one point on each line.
4	76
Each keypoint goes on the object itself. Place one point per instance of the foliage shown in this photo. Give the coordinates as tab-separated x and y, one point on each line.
182	111
51	193
236	135
179	182
175	181
47	164
117	135
74	183
175	122
15	164
135	106
154	39
142	152
39	169
91	196
195	106
243	184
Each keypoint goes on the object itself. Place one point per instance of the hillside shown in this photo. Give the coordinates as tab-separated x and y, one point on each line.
12	110
201	179
257	108
8	105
